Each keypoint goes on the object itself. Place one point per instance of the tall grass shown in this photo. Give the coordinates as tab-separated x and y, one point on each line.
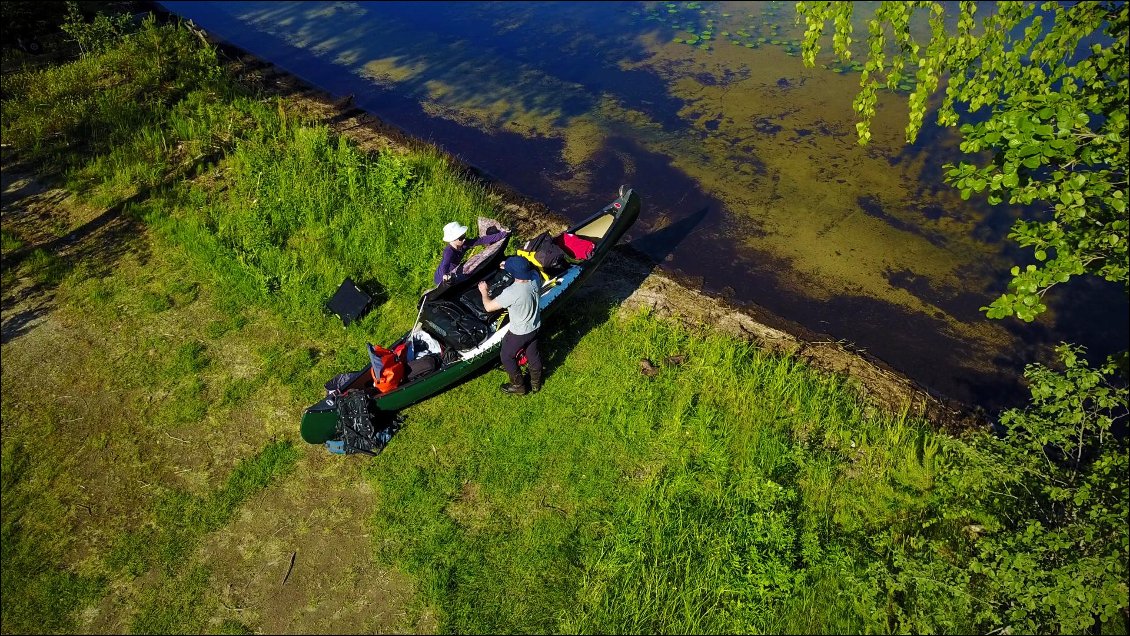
64	114
301	210
721	496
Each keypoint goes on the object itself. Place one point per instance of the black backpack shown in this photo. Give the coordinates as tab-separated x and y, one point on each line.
545	254
362	429
453	325
349	302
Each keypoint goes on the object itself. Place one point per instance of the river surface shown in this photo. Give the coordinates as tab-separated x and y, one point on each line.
747	159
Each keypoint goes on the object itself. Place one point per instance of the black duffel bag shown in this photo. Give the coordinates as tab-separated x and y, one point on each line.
453	325
472	299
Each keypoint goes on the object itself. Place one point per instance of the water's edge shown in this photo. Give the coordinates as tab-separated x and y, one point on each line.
628	274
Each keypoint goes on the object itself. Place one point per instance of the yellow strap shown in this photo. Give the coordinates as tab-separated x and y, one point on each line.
530	257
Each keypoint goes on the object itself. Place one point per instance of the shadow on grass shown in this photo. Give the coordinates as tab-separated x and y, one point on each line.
615	281
98	244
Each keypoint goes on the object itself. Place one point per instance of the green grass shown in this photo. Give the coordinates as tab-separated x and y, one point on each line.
737	492
714	498
38	595
44	267
9	242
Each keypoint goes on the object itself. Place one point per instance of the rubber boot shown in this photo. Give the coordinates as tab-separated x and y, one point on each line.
535	380
516	385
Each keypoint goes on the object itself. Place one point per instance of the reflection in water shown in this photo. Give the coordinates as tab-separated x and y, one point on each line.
706	109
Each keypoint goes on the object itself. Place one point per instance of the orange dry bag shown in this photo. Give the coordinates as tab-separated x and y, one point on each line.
387	369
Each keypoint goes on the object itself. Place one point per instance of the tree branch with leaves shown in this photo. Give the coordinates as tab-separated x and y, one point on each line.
1043	90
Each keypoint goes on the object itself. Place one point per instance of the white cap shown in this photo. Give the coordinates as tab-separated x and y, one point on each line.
452	231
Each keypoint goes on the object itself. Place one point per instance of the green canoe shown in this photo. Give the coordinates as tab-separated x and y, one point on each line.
597	234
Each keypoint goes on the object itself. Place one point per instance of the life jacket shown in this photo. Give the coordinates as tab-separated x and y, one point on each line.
387	368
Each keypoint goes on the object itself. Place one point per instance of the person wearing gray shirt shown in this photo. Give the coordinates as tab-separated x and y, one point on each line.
520	300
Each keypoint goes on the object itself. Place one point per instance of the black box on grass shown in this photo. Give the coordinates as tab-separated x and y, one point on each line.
349	302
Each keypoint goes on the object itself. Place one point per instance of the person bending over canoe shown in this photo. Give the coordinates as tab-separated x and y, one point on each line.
520	299
450	268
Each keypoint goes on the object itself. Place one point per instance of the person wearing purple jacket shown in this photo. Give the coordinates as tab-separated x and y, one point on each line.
455	235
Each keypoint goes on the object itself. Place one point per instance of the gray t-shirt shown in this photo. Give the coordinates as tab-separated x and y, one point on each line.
521	300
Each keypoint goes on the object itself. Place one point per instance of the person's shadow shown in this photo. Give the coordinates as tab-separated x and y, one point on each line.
618	277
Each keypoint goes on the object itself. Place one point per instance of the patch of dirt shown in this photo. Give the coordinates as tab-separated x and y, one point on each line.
472	509
298	559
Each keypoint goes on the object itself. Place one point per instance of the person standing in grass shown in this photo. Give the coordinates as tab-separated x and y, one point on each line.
520	299
455	235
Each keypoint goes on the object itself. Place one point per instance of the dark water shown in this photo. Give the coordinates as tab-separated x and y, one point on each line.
729	139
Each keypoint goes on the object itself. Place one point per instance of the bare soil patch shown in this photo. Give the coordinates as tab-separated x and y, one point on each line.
298	559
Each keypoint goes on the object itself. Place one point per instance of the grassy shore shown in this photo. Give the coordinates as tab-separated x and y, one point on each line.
152	470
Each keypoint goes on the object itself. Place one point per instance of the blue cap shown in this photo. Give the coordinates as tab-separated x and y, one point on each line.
520	267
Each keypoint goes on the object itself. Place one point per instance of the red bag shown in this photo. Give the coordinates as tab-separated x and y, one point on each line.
577	247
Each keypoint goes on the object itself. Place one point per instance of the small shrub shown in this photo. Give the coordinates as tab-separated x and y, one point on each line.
97	35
